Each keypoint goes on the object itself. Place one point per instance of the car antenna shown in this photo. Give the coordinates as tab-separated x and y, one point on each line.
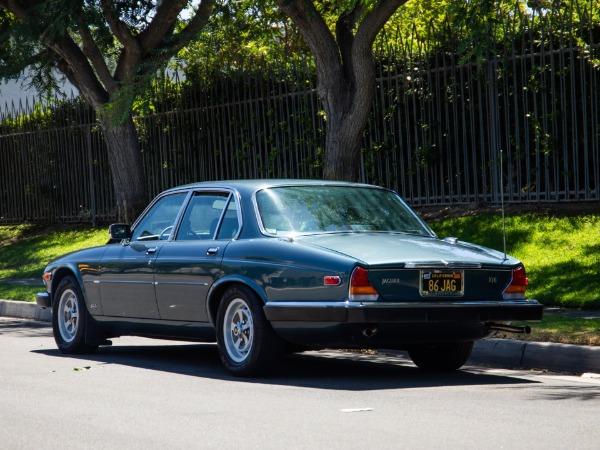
502	202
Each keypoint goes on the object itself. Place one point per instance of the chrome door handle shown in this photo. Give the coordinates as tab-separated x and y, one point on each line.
212	251
151	250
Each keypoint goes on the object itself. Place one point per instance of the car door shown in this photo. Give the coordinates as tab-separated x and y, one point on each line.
127	270
187	267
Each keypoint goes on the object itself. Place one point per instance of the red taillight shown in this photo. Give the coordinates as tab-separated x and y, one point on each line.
332	280
360	288
518	285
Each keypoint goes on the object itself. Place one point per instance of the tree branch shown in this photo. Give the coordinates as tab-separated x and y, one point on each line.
66	70
94	55
373	22
162	24
79	72
172	44
117	26
315	32
131	53
344	29
197	22
362	52
87	81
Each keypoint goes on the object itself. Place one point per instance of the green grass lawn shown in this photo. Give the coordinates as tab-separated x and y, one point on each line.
26	249
562	259
561	254
555	328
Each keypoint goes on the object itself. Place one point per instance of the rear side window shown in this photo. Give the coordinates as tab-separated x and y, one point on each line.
230	226
203	216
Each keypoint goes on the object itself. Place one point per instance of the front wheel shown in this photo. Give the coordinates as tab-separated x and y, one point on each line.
69	318
442	357
247	344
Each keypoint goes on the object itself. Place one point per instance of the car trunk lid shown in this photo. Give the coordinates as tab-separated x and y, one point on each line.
419	268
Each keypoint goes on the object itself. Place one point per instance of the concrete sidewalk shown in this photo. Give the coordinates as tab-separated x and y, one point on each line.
505	353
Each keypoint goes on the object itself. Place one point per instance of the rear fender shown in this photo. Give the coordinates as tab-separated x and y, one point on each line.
218	289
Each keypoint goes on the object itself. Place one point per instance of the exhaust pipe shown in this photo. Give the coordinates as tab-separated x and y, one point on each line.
370	332
507	328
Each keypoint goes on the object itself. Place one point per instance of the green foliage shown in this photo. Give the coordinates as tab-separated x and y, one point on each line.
561	254
478	30
22	46
242	35
252	35
45	39
40	116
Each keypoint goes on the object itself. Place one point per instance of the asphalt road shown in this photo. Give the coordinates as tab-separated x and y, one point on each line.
148	394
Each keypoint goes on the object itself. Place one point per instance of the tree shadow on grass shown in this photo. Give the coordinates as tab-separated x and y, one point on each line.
553	287
482	230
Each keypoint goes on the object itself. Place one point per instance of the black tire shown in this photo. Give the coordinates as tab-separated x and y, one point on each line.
247	344
69	318
441	357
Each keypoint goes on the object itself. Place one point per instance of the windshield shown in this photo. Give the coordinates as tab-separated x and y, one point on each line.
292	210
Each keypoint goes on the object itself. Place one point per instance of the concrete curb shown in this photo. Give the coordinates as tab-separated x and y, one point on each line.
505	353
536	355
24	310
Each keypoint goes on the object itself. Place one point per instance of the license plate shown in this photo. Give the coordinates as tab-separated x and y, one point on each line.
442	283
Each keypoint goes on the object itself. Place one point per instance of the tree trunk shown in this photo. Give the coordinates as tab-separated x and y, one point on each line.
342	148
127	168
347	104
345	73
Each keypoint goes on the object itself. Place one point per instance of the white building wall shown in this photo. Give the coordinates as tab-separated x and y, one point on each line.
15	91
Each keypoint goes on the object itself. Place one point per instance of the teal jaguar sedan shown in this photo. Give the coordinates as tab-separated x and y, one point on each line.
261	266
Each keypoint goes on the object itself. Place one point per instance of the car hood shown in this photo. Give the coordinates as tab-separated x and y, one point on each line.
384	249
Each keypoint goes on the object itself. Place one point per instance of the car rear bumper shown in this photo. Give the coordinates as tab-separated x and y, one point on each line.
393	325
359	312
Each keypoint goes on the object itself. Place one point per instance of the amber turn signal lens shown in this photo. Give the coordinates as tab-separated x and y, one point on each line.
518	285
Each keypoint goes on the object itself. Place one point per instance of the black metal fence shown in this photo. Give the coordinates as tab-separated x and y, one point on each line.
524	124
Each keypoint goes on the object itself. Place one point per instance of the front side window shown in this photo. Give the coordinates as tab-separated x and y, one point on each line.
160	219
312	209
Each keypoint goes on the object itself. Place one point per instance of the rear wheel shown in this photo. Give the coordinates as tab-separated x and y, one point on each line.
247	344
442	357
69	318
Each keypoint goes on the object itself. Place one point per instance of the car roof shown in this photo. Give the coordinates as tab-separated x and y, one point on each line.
252	185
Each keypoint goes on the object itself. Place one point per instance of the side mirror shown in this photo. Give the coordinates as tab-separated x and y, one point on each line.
118	232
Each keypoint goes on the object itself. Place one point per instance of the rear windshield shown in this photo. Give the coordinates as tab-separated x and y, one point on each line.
312	209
